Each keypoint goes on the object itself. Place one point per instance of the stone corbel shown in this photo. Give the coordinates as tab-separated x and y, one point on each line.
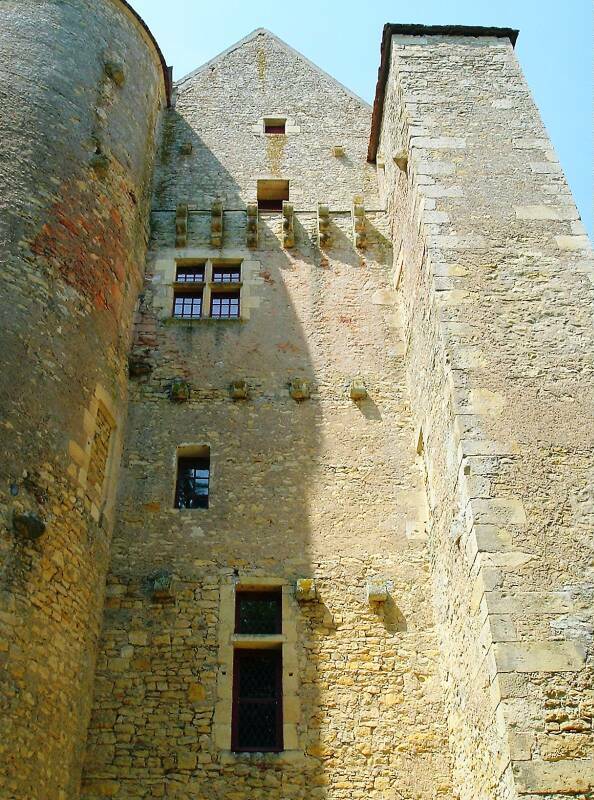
299	389
181	225
358	214
288	231
358	390
323	225
252	225
239	389
216	224
377	590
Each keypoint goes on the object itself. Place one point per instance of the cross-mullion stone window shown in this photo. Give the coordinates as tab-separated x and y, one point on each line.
209	289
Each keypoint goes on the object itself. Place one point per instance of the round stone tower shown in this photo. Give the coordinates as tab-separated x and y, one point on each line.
81	86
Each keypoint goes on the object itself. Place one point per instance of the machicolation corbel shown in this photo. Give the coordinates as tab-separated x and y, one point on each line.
181	225
358	214
288	225
252	225
216	224
100	164
323	225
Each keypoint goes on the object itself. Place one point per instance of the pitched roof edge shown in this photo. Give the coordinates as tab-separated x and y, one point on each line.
391	29
166	70
264	31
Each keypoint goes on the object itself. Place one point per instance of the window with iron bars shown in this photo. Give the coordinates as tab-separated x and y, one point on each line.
257	712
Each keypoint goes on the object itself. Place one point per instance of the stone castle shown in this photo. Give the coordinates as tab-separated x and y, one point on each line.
297	437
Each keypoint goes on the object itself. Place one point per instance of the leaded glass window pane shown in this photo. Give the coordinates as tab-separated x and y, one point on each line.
187	305
257	700
258	612
225	305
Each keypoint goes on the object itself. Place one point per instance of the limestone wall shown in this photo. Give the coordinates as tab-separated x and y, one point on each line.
219	110
81	85
323	488
493	270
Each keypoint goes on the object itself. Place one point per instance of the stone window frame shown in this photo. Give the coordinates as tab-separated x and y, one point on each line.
190	450
164	267
208	286
229	642
290	127
80	454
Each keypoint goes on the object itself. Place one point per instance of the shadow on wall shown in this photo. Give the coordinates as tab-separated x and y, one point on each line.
188	171
161	723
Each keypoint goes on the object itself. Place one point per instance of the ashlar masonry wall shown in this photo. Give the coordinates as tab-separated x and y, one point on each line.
324	488
494	278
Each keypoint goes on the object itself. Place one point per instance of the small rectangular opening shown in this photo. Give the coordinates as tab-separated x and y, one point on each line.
271	194
187	305
229	273
193	479
225	305
257	713
189	274
258	612
275	126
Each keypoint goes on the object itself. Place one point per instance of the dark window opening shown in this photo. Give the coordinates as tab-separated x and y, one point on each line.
271	194
227	274
258	612
187	305
192	487
257	716
275	126
224	305
190	274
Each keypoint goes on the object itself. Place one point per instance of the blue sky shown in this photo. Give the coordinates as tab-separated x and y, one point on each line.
554	48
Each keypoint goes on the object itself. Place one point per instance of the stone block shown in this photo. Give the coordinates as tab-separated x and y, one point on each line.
528	603
544	778
539	656
498	511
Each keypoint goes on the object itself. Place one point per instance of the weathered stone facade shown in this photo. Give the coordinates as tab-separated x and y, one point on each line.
324	488
494	278
396	422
